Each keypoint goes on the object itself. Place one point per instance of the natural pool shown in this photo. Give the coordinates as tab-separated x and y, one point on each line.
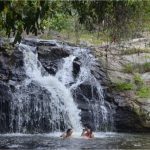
53	142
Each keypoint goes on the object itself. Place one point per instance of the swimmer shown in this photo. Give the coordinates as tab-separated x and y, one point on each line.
87	133
67	134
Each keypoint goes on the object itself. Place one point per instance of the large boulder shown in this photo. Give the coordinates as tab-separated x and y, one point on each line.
90	104
76	66
49	54
51	57
131	115
11	64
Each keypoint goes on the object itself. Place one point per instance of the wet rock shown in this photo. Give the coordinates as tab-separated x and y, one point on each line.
5	99
51	66
87	119
30	42
4	68
87	90
52	53
36	111
76	66
1	42
47	43
85	96
130	116
11	68
17	72
51	57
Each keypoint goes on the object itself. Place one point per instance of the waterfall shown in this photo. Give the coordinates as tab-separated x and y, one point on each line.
71	96
42	100
65	75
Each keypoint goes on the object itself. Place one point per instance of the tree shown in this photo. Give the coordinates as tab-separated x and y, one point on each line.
19	16
117	17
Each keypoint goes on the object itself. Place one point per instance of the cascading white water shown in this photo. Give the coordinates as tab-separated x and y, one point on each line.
65	76
45	103
59	108
65	73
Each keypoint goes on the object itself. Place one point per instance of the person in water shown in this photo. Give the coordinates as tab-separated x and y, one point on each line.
87	133
84	131
67	134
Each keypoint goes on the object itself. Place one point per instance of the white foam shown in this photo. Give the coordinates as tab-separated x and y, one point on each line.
14	146
59	92
58	134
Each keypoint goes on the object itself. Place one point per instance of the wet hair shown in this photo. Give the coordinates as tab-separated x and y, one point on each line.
91	131
68	131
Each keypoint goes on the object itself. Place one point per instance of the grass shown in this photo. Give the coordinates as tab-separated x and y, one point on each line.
136	68
142	68
123	86
135	51
91	38
138	80
128	68
144	92
147	56
84	37
146	67
138	86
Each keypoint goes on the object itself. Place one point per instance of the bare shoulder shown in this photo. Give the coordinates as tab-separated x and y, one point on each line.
63	135
92	135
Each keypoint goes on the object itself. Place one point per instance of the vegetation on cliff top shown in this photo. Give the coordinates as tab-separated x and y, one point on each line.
114	19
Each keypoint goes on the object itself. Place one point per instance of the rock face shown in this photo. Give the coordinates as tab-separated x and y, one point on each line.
32	120
81	94
128	115
76	66
5	99
131	115
50	57
11	71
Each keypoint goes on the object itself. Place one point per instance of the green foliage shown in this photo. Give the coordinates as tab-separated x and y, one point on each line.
123	86
58	23
139	82
136	68
147	56
128	68
114	18
144	92
146	67
19	16
142	68
117	18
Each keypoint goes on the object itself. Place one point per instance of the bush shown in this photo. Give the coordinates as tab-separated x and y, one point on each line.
123	86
